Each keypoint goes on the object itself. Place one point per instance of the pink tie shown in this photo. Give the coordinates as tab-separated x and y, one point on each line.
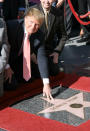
26	59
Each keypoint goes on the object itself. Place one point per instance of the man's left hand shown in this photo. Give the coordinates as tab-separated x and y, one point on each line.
34	58
55	57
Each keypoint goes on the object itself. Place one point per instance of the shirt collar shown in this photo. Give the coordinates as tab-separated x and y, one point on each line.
25	31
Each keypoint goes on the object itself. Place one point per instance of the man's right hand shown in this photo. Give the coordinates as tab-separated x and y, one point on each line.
8	74
47	92
60	2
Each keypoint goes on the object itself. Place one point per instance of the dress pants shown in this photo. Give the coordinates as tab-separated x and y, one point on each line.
53	68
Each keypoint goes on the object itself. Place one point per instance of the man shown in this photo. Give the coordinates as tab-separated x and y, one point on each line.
17	31
4	52
55	24
52	25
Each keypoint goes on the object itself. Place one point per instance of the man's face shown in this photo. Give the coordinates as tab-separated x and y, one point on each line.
47	4
31	24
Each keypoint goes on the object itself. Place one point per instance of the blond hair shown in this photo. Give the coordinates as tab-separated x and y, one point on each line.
39	16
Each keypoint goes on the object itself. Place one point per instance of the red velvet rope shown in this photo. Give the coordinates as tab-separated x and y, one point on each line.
77	16
83	16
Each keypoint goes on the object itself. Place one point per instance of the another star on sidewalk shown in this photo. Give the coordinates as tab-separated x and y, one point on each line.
74	105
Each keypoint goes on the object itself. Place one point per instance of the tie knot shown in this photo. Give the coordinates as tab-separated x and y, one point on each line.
46	12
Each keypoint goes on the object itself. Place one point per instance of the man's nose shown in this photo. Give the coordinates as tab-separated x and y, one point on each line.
33	25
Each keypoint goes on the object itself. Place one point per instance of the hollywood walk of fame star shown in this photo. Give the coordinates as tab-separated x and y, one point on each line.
74	105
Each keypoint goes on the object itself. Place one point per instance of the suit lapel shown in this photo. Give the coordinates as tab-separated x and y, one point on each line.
21	35
51	19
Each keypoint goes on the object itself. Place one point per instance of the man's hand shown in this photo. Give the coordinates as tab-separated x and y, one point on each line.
8	74
47	92
33	58
55	57
60	2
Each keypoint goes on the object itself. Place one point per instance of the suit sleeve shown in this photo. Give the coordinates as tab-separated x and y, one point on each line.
60	28
4	50
42	62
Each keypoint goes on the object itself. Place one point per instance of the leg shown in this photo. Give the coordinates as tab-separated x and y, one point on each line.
34	71
53	68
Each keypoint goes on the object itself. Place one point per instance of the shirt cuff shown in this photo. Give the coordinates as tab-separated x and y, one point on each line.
46	81
7	66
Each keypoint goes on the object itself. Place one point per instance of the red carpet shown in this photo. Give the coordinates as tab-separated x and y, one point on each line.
26	90
16	120
76	82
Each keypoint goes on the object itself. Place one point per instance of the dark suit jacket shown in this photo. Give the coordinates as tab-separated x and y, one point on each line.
11	7
56	25
16	34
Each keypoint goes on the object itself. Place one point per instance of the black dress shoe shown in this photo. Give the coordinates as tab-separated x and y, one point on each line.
84	38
